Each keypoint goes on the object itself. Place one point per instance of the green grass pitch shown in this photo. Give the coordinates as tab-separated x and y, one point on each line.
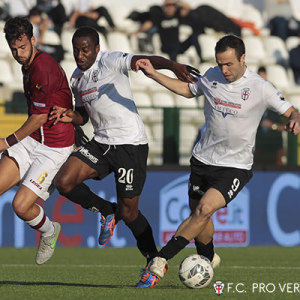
109	273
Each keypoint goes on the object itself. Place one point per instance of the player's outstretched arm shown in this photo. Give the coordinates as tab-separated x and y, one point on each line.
175	85
34	122
183	72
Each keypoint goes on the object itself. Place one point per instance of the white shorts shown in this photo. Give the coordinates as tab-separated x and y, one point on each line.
38	164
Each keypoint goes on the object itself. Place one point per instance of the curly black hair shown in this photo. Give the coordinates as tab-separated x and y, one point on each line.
16	27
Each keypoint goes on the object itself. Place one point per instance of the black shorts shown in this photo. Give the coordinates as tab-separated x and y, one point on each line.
128	162
228	181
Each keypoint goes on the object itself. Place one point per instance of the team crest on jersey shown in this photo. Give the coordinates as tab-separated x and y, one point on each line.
245	93
95	75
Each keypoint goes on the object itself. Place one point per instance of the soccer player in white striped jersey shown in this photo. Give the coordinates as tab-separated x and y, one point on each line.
102	92
221	162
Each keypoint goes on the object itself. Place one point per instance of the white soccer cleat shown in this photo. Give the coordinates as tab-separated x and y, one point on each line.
47	245
216	261
158	266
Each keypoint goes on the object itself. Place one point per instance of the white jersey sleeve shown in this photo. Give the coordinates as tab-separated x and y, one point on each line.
118	61
274	99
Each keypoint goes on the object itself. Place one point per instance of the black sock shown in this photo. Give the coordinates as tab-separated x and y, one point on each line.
142	232
82	195
175	245
206	250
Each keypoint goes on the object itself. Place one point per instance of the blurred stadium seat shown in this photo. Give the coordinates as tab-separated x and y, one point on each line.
118	41
276	49
69	66
163	99
207	44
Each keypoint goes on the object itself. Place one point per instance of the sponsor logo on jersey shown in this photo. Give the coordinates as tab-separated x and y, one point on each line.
89	95
36	184
226	107
89	91
129	187
245	93
85	152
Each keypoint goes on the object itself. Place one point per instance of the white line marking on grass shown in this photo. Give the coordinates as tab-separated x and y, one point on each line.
139	266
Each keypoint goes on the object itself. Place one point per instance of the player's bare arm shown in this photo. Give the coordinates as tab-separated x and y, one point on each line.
293	125
33	123
175	85
183	72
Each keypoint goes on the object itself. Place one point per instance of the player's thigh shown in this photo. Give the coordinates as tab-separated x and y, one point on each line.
46	162
91	161
211	201
129	163
74	170
9	173
193	204
15	163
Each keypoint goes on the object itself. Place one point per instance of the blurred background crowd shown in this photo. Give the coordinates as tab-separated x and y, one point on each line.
184	31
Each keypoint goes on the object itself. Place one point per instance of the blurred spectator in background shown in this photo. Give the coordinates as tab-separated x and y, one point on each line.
165	20
91	18
205	16
20	8
269	148
41	24
294	59
282	17
55	12
80	13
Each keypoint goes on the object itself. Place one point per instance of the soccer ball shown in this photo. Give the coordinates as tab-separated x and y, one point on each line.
196	271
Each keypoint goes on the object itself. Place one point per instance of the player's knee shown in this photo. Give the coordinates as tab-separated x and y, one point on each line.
63	184
204	211
20	208
128	212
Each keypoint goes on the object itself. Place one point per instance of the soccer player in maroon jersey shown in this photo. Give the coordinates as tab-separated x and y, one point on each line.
33	154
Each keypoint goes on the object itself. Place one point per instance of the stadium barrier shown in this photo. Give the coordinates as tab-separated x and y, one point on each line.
266	212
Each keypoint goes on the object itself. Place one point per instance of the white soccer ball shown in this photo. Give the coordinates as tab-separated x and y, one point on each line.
196	271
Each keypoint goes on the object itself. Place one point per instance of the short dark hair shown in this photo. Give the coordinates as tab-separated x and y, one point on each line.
34	11
262	69
86	31
15	27
231	41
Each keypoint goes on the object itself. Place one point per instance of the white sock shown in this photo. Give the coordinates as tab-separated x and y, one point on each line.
42	223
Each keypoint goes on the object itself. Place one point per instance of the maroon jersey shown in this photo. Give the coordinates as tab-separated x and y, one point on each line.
45	85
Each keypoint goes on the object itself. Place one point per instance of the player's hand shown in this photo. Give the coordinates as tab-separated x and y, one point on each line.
145	66
61	114
185	72
293	126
